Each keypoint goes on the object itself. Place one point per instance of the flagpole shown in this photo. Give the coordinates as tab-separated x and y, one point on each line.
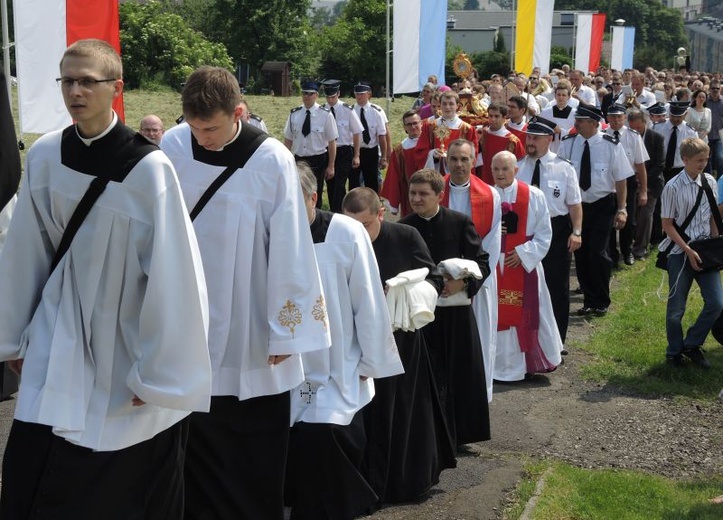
574	44
386	93
6	52
515	7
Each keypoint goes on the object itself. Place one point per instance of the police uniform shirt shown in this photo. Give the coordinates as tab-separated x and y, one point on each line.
608	163
347	123
376	121
684	131
633	145
259	123
323	130
558	181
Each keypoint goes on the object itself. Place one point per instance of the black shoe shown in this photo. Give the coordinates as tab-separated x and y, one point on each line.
629	260
675	361
585	311
695	354
564	352
599	312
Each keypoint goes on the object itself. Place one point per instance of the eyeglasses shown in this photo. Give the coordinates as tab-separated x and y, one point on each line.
84	83
152	130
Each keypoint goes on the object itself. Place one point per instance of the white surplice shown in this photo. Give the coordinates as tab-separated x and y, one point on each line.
362	342
258	257
126	316
510	360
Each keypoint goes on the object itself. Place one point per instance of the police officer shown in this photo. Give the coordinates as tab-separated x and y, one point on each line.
374	139
602	170
310	134
350	130
558	181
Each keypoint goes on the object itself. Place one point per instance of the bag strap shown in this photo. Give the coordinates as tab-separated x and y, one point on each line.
680	229
97	186
249	144
713	204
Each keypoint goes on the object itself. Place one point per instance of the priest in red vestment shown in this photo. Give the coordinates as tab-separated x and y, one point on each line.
496	138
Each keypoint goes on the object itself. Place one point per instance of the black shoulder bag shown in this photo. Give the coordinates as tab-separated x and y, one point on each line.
661	261
710	250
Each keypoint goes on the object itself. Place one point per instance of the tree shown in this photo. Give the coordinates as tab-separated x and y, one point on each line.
471	5
355	47
160	50
256	31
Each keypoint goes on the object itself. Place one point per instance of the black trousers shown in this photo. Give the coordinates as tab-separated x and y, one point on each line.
369	168
47	477
342	170
557	272
236	459
318	164
627	233
592	260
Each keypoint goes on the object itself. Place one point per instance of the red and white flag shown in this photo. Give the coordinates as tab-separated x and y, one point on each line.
43	30
588	43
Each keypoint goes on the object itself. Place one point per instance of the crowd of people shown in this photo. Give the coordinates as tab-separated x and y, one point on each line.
198	338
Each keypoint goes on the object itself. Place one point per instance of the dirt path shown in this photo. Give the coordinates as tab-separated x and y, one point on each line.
589	425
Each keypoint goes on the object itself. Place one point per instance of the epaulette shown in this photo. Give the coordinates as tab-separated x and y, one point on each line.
297	109
633	131
610	138
255	117
376	107
325	109
347	105
568	161
568	136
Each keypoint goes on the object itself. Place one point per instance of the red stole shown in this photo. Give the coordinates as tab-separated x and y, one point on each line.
510	283
482	202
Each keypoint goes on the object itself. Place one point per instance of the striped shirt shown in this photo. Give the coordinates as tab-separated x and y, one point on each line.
678	199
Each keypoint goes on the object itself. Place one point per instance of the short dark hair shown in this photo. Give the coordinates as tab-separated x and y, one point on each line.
519	101
210	90
361	199
498	107
429	176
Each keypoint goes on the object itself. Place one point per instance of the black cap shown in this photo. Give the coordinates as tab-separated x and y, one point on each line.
678	108
331	87
658	109
588	112
361	87
617	109
309	86
541	126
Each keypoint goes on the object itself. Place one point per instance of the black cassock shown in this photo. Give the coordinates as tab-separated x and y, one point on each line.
453	337
408	443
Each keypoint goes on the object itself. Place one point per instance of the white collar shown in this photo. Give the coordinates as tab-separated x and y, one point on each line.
89	140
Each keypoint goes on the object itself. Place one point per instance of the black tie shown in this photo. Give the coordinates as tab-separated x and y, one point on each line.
365	134
536	175
672	145
617	135
306	127
332	112
585	173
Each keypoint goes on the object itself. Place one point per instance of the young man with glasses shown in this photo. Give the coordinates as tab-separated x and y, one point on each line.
111	334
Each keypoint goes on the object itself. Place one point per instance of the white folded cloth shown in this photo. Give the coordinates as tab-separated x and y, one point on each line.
458	269
411	300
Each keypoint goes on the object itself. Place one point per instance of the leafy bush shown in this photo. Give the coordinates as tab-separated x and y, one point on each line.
160	50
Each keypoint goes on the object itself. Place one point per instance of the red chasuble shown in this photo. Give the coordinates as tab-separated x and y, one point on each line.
491	144
428	141
521	134
482	202
395	188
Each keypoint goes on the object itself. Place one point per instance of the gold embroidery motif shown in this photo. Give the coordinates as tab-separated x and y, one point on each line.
319	310
508	297
290	316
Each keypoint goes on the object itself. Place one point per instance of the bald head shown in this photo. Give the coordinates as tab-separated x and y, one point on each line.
504	168
152	128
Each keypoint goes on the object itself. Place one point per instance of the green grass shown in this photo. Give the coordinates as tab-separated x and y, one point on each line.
629	343
580	494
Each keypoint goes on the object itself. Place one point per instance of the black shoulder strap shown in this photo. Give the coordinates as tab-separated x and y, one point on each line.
713	204
681	229
249	144
97	186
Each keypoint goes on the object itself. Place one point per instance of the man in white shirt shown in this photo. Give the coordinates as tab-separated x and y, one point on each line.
583	93
374	151
641	98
